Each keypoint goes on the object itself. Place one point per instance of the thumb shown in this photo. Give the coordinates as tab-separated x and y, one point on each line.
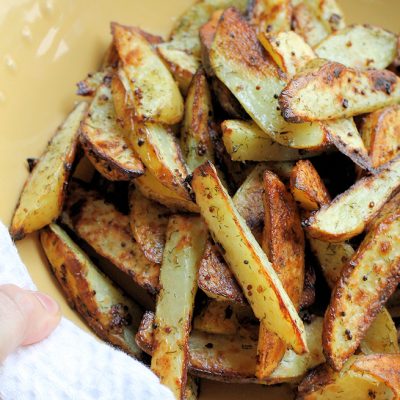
26	317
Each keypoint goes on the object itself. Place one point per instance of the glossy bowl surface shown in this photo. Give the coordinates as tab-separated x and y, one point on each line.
46	46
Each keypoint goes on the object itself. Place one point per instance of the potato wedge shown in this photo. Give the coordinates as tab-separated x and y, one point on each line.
308	25
207	34
325	384
89	85
381	336
107	231
291	53
246	259
248	199
307	187
332	257
159	151
329	90
310	193
152	188
245	141
112	316
182	65
42	196
380	132
270	15
185	33
359	46
196	136
216	279
288	50
226	99
228	358
104	142
385	368
349	213
367	281
283	243
186	238
240	63
283	238
148	221
161	102
218	317
344	134
328	11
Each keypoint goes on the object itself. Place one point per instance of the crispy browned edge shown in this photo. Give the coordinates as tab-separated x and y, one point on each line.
111	60
307	223
144	339
225	98
360	158
379	120
144	335
305	178
207	33
283	237
151	38
215	277
84	87
283	243
316	379
377	228
85	305
384	367
106	165
75	206
329	74
142	232
200	124
308	296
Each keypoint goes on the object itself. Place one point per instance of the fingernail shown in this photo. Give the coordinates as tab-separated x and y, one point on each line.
48	303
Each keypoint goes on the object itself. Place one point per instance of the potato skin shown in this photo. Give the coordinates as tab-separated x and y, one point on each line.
148	220
225	97
339	221
240	62
380	132
331	91
366	283
41	199
283	243
107	231
216	279
283	237
246	259
231	358
86	289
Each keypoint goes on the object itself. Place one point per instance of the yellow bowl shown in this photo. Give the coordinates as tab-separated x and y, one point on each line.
46	47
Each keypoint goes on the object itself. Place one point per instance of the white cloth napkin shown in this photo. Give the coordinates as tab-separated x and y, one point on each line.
70	364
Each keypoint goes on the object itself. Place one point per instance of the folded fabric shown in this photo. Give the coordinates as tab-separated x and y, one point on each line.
70	364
